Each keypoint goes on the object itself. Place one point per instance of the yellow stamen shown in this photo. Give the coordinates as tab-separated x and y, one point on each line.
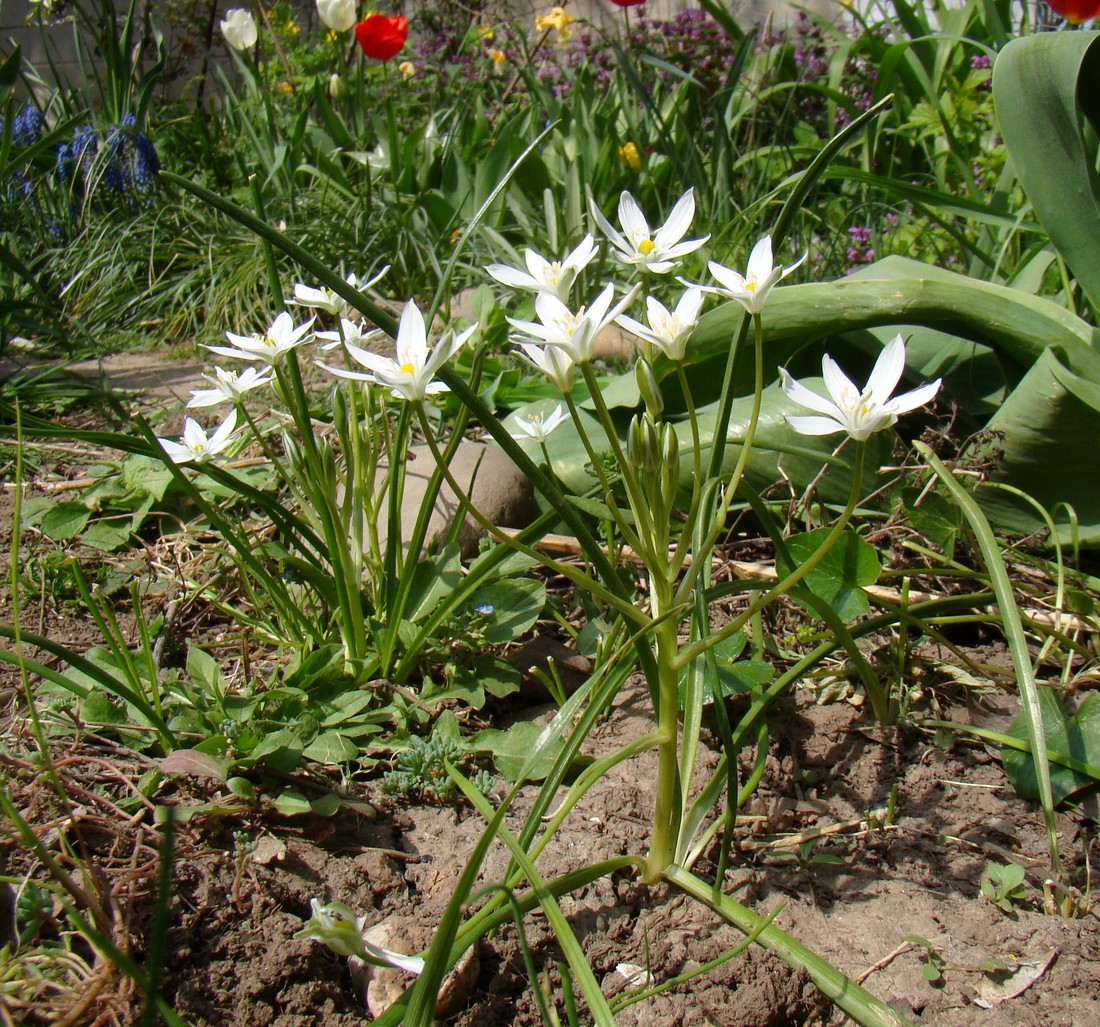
645	247
407	368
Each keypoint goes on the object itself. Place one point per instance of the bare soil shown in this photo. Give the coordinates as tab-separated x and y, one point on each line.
232	959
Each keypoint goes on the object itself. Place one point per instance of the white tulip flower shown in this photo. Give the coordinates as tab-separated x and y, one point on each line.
553	276
278	340
194	445
229	386
860	414
239	29
654	251
338	15
751	289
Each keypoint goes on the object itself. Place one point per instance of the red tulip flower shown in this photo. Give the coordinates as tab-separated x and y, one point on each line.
627	3
381	36
1076	11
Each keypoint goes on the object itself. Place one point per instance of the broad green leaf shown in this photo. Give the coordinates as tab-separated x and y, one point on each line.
203	669
279	750
1051	429
842	574
65	520
292	804
194	763
1076	736
934	517
106	536
1044	90
507	609
432	580
512	748
331	748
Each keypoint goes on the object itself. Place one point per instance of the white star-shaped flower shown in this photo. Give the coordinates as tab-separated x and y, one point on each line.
539	426
322	298
409	375
575	333
351	333
229	386
277	341
668	331
860	414
552	361
194	445
656	251
751	289
542	275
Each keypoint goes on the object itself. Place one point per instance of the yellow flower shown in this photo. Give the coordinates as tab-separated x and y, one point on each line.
558	20
486	33
498	59
331	36
407	69
629	157
285	87
290	29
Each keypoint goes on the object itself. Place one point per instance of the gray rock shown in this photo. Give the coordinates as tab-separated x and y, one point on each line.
501	493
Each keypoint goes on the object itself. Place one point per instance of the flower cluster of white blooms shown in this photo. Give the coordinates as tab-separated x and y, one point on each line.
561	338
268	347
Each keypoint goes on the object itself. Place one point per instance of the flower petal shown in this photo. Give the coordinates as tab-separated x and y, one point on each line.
512	277
412	337
678	222
810	425
608	229
760	260
887	371
915	398
632	219
805	397
840	386
728	278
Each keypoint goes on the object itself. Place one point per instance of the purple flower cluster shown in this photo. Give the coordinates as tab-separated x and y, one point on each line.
689	40
859	252
809	53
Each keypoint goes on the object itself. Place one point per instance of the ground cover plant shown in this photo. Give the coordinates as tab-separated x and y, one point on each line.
283	744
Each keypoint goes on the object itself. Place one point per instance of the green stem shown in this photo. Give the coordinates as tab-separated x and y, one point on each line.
624	526
689	652
638	504
579	578
718	522
667	808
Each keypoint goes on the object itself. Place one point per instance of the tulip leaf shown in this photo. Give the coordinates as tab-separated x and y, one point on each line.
1044	91
1051	429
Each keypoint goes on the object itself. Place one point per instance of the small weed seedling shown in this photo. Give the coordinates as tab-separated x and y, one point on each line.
1003	885
932	961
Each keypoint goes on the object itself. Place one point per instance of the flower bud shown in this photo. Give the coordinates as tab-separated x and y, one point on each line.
643	445
336	88
650	389
670	461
